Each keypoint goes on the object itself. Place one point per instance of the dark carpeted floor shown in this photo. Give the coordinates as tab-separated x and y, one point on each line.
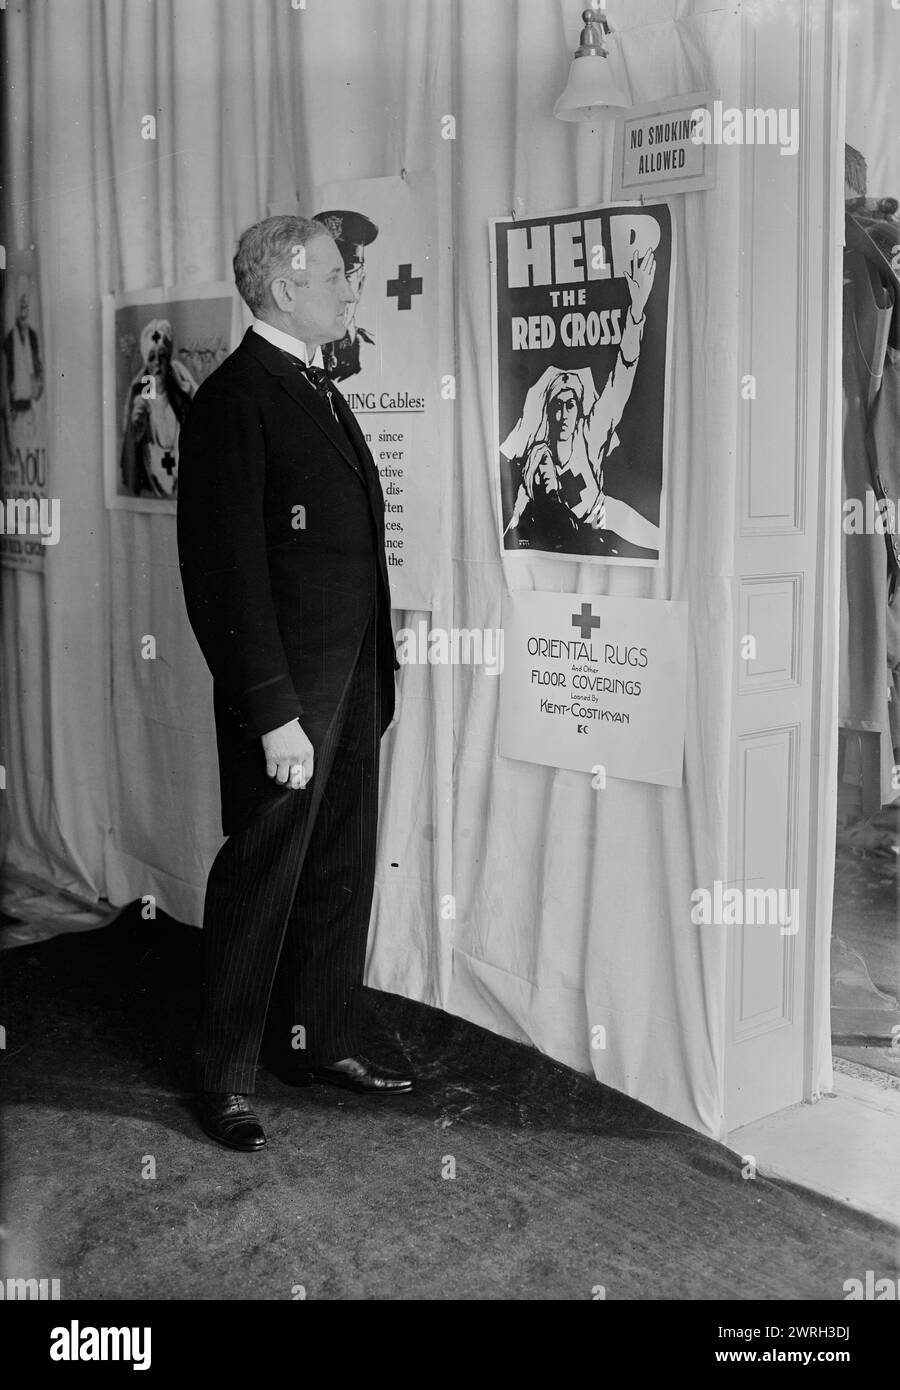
560	1185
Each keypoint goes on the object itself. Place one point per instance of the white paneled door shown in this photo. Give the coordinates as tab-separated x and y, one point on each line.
783	771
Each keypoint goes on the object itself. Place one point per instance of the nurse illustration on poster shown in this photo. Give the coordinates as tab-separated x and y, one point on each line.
155	407
565	434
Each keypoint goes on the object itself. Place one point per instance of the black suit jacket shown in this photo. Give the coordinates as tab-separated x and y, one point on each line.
281	547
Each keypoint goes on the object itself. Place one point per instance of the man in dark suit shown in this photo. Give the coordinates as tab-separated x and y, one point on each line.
281	545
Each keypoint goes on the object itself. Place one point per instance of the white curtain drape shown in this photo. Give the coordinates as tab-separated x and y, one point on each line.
573	904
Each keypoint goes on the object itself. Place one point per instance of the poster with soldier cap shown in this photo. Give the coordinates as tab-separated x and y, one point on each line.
26	511
581	319
386	363
159	345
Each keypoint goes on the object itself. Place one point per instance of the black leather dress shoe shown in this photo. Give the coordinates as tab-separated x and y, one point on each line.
228	1119
360	1075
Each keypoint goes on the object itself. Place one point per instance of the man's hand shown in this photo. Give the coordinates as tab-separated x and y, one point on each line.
289	755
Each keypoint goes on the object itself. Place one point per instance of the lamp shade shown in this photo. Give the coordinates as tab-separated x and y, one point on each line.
591	92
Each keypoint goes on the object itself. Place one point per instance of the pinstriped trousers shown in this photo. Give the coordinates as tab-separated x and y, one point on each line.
287	911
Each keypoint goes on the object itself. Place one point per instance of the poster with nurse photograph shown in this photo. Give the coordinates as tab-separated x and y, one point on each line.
582	324
158	346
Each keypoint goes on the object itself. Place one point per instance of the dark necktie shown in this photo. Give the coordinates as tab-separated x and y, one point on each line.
317	378
321	384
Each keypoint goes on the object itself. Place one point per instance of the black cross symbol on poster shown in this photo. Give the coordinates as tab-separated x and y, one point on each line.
585	620
404	287
571	487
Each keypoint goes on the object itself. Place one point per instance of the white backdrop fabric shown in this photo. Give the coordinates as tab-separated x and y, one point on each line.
573	905
513	895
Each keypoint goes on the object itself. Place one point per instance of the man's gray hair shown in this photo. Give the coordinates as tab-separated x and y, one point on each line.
266	250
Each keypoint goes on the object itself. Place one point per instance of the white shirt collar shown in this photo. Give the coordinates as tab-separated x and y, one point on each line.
287	342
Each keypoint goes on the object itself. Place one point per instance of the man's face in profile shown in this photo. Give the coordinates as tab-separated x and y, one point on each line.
23	309
563	415
320	306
